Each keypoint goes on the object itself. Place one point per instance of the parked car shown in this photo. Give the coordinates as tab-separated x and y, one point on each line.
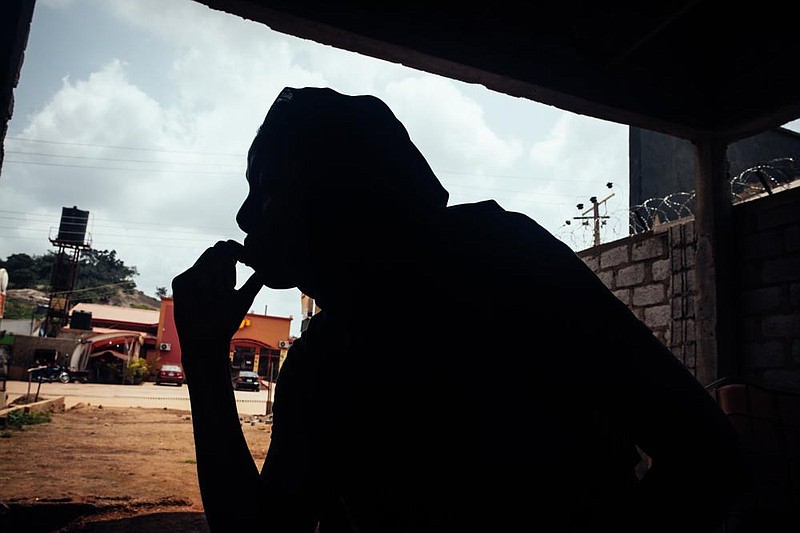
246	380
170	374
49	374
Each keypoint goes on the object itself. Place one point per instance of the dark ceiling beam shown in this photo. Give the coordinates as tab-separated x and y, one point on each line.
686	68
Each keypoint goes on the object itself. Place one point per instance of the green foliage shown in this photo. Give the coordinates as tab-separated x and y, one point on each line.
161	292
19	418
100	274
136	371
21	270
16	309
100	268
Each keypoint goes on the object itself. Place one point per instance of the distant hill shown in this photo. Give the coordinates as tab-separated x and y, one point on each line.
136	298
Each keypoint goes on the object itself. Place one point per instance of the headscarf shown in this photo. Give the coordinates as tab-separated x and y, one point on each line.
347	145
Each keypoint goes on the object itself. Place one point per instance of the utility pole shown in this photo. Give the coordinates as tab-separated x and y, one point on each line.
595	216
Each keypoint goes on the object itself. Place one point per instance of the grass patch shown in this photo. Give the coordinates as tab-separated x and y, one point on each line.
189	461
19	418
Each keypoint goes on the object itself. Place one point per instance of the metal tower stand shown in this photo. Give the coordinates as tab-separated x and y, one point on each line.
71	240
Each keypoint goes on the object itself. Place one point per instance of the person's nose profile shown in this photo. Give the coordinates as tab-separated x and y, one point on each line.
244	217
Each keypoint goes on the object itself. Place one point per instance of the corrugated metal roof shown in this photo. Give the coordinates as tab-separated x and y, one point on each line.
114	313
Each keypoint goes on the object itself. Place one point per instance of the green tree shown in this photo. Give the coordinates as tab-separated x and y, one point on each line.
161	292
22	271
100	273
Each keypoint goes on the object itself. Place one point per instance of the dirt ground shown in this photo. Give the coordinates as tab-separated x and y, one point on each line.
104	469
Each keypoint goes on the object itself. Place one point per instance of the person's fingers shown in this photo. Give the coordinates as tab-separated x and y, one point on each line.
215	269
211	254
250	289
235	249
214	272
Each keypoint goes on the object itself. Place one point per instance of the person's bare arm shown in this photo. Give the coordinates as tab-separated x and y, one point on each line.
698	466
208	310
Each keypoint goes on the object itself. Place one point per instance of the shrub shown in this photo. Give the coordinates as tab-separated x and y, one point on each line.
19	417
136	371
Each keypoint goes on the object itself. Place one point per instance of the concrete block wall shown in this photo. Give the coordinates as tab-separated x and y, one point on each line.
768	275
654	275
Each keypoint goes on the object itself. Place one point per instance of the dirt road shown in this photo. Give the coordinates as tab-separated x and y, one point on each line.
146	394
103	469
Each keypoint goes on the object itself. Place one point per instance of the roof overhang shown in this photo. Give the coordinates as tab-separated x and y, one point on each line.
242	340
686	68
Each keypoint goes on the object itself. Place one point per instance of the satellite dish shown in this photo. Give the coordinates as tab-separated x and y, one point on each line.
3	280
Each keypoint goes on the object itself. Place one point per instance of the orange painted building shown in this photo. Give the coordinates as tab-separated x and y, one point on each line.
260	343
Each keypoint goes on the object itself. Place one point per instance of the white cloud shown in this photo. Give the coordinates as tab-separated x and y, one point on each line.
197	123
56	4
451	131
103	109
581	155
161	217
445	122
91	118
581	146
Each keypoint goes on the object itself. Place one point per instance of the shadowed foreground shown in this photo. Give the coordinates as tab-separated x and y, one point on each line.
94	468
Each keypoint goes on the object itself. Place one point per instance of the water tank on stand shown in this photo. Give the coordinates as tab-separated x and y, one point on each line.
81	320
72	229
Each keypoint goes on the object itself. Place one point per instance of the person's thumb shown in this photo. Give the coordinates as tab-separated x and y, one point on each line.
249	290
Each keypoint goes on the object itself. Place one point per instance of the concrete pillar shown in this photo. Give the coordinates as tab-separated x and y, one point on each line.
714	229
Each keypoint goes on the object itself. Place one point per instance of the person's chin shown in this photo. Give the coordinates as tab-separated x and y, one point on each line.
272	270
276	280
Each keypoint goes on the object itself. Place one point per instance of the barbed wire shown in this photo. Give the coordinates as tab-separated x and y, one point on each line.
761	179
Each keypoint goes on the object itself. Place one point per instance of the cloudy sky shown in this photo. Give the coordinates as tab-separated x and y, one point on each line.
142	112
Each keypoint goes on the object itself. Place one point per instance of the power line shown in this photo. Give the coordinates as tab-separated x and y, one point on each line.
438	171
140	170
507	176
56	218
160	234
513	191
107	285
97	158
27	139
125	225
122	244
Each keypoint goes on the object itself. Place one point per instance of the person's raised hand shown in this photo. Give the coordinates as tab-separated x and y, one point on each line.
208	307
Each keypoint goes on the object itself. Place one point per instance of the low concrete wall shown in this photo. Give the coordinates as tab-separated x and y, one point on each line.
49	405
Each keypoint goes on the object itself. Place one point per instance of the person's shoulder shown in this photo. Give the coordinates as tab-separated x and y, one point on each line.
486	210
490	218
322	330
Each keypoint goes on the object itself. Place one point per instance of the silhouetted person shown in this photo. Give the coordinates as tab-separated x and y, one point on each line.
467	372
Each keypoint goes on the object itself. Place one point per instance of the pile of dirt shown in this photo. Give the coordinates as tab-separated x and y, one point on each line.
28	296
95	468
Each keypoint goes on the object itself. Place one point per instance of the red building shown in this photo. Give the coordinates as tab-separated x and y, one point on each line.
103	318
260	344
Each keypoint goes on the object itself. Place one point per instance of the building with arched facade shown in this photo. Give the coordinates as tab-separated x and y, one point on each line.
260	344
